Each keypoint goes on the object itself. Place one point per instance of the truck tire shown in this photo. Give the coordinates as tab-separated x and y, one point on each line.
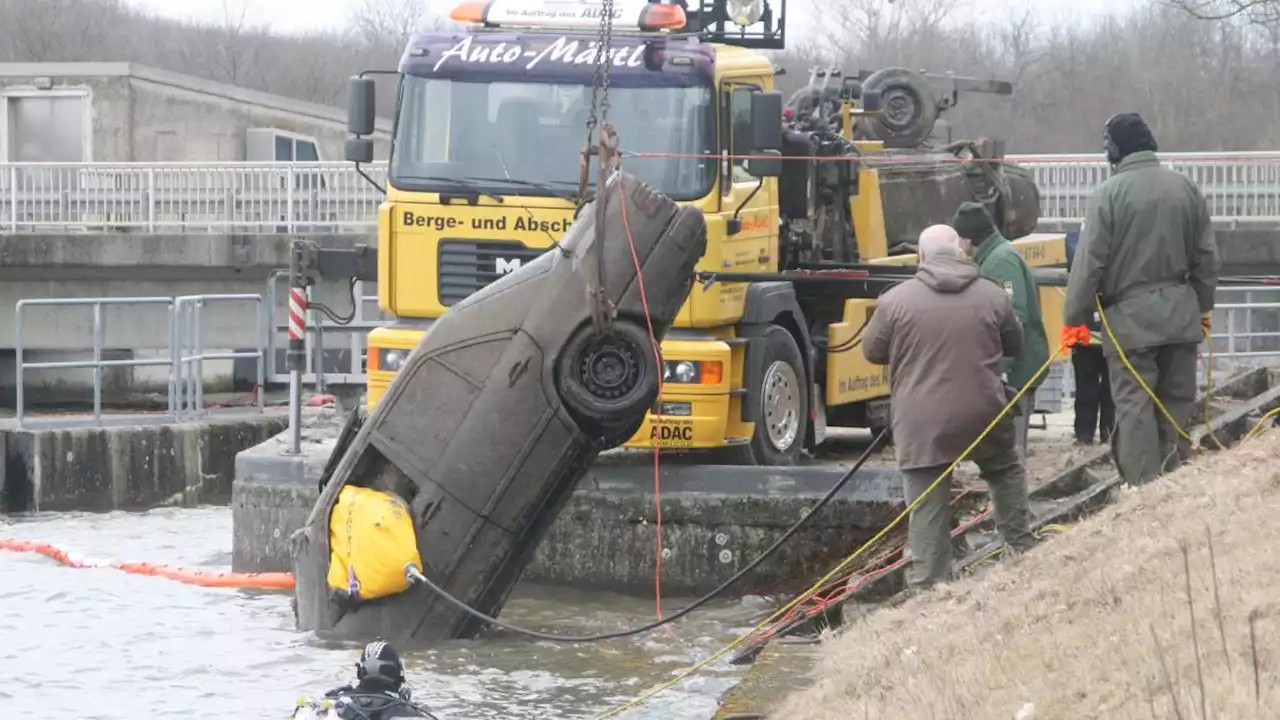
909	108
783	416
608	383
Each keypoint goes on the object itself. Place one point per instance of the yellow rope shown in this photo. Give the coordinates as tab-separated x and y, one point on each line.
946	473
843	563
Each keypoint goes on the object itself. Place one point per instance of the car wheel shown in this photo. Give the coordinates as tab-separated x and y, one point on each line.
909	107
606	382
783	415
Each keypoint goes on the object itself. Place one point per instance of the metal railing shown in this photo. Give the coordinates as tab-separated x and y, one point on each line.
1250	333
190	355
184	358
1237	186
330	197
188	197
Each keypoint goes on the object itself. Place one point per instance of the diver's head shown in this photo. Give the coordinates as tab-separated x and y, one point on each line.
380	665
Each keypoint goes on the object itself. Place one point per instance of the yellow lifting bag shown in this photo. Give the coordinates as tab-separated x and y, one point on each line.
371	539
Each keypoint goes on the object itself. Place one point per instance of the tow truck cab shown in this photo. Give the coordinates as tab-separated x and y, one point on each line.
485	171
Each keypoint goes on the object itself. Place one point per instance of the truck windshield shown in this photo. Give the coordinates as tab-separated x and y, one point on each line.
526	138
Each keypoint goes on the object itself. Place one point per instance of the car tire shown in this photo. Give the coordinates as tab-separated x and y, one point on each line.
607	382
783	416
909	107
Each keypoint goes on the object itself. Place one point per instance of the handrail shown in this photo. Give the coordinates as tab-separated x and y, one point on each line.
184	358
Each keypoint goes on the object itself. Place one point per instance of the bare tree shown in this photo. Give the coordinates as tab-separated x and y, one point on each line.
1201	85
1259	12
57	30
387	25
235	50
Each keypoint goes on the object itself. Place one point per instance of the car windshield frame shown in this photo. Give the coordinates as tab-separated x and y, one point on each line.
518	129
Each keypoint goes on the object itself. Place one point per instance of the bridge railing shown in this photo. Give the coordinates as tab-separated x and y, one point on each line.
332	197
1237	186
188	197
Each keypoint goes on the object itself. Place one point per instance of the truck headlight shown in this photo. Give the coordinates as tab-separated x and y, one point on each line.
692	372
681	371
391	360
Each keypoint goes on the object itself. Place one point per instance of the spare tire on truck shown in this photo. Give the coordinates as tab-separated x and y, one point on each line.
909	109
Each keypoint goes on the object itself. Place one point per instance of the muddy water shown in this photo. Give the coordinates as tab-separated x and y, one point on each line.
102	644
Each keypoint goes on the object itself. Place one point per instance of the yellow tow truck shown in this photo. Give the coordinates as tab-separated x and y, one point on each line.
811	208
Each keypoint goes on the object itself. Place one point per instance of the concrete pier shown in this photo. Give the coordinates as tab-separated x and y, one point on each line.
128	467
715	519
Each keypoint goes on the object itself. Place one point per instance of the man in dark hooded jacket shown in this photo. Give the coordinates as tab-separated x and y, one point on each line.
1147	253
999	261
943	335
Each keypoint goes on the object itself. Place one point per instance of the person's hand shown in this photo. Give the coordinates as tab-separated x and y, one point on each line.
1073	335
1205	324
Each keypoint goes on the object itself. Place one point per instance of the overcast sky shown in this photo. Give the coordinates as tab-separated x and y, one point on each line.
306	15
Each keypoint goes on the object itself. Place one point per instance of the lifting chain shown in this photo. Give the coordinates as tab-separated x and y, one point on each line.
601	76
606	150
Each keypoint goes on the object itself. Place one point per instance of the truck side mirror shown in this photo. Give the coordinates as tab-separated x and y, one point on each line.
361	104
766	121
358	150
766	135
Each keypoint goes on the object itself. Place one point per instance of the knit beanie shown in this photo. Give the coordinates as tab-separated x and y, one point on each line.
1130	134
972	222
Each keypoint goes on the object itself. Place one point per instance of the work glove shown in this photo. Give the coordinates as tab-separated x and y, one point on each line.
1205	324
1073	335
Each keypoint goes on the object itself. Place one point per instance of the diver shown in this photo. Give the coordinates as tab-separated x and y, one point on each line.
380	691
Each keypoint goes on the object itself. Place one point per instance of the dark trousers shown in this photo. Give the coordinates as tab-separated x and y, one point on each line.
1093	394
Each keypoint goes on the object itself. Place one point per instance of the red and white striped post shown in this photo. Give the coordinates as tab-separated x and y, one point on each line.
296	355
297	326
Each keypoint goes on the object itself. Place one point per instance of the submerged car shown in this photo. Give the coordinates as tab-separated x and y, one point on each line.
499	412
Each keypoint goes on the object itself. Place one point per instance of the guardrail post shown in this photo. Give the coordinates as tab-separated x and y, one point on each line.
97	363
13	199
198	311
17	354
173	361
151	200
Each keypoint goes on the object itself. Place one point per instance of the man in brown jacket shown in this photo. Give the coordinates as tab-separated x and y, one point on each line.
943	334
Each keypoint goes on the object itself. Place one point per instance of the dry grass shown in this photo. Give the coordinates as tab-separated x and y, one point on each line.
1164	605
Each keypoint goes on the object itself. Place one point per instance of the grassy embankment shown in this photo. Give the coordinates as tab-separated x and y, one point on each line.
1165	604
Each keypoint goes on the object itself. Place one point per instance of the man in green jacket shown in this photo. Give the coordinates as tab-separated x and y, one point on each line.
1147	253
1000	261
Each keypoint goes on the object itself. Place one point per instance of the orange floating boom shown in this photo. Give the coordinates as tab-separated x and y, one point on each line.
202	578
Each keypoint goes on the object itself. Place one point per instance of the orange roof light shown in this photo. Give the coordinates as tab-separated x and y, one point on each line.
656	16
472	12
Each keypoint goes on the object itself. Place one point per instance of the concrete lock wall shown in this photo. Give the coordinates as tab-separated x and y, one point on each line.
127	265
715	519
127	468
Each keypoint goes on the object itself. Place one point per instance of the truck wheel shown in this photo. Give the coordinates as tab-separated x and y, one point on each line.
606	382
783	413
909	108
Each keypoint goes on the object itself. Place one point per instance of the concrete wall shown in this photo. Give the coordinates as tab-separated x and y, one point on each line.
127	468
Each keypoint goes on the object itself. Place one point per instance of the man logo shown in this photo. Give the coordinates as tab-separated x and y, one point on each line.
506	266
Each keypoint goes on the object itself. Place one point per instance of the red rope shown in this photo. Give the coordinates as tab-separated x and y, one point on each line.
657	356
